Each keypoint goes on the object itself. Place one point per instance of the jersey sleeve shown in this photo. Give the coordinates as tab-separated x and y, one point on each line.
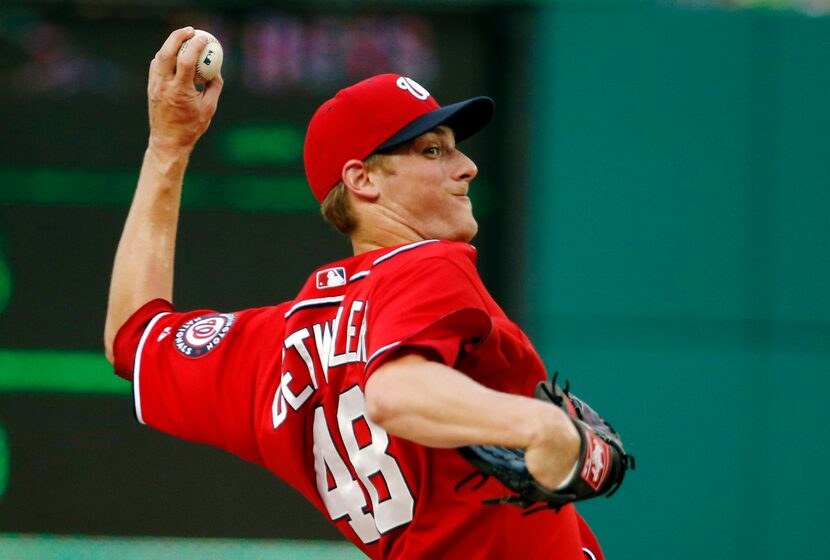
431	304
198	375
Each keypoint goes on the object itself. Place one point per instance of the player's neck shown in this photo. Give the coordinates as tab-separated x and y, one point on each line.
379	227
365	241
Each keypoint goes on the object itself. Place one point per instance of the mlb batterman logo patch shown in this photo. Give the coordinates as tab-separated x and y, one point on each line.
199	336
331	278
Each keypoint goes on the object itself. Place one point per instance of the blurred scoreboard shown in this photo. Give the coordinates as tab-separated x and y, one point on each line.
74	128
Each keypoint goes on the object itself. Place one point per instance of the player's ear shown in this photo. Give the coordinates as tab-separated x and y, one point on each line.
359	180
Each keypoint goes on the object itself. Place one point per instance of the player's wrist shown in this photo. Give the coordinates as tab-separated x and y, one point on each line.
551	427
554	446
569	478
577	454
167	157
169	145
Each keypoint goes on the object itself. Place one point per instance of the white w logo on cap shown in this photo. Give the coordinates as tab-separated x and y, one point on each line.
413	87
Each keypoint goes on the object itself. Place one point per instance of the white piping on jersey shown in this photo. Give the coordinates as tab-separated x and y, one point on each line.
365	273
379	351
359	275
137	366
315	302
589	554
402	249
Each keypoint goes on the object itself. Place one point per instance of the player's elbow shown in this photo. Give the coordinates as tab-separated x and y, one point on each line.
379	406
108	352
388	399
109	343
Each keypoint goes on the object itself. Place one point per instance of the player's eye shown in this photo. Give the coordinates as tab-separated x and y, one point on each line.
432	151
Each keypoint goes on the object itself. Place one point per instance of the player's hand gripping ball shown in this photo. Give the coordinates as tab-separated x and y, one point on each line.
210	60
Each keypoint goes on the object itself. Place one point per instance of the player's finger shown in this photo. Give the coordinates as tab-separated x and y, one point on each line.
212	91
186	64
166	56
151	73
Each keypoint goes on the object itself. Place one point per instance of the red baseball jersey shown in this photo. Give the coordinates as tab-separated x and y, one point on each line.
283	387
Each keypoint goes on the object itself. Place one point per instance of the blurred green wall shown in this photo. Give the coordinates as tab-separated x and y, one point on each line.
678	265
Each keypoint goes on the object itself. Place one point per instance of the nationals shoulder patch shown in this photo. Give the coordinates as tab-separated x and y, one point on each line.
199	336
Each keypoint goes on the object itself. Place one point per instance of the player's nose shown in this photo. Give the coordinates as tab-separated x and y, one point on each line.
466	169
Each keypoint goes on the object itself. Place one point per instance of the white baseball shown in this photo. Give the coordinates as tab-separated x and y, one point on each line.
210	60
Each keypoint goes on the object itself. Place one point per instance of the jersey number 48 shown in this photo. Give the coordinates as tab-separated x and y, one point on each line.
378	473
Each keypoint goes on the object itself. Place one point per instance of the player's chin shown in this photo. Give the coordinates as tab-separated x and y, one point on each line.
466	230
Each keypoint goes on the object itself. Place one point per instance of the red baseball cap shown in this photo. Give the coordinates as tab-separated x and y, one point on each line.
378	113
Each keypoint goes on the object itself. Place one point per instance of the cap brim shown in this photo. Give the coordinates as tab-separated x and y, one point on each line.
465	118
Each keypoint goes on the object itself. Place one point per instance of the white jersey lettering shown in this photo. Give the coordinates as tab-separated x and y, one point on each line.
323	339
321	346
295	340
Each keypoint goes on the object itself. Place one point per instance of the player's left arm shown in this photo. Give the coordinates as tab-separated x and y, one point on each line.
436	405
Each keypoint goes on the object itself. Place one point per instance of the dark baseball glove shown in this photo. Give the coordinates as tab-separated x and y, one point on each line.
600	469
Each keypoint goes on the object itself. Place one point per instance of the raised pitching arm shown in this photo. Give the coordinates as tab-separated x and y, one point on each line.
179	115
